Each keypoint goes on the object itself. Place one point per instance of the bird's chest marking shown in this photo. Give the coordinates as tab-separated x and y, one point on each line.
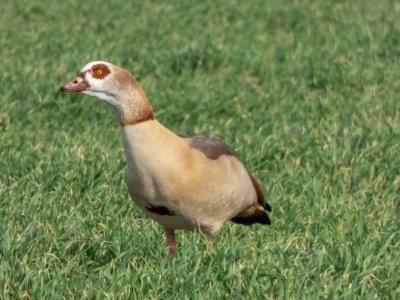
160	210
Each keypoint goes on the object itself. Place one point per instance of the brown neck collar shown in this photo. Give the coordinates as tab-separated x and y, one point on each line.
135	114
135	109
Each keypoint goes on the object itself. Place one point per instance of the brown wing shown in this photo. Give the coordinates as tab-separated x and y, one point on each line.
255	213
259	193
213	148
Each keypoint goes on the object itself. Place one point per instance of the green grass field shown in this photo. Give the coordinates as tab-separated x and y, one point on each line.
307	92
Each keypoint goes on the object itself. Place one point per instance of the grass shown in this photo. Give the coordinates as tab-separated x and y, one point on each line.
306	91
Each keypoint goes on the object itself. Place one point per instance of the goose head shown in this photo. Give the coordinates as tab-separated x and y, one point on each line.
114	85
104	81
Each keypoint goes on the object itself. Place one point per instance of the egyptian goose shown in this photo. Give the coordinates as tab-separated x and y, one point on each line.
193	183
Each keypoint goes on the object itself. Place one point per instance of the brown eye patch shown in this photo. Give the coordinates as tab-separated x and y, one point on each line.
100	71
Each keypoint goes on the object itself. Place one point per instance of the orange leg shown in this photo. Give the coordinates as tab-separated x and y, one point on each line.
210	239
171	242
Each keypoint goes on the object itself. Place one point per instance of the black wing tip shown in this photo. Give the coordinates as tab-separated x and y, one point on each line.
262	219
267	207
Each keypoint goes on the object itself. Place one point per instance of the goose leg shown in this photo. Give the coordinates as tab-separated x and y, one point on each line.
171	242
210	239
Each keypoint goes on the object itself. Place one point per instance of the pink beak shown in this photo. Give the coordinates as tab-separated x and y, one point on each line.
79	84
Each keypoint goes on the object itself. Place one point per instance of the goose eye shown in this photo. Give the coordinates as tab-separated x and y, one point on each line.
99	72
